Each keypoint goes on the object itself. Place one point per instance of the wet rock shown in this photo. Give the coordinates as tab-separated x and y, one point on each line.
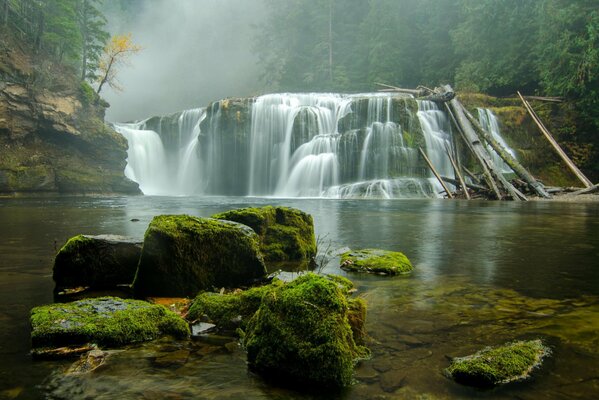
202	328
175	358
107	321
366	373
98	262
285	233
376	261
183	255
498	365
301	336
88	362
51	353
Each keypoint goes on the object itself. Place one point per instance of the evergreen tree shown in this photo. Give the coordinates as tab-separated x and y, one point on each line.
91	25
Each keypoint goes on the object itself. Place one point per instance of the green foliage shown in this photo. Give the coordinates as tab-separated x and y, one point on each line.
105	321
494	366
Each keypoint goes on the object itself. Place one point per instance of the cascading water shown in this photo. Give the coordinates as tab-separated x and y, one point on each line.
293	145
489	123
158	170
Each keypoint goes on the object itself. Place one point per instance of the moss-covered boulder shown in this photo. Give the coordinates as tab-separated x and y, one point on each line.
376	261
498	365
106	321
101	261
229	310
183	255
285	233
301	335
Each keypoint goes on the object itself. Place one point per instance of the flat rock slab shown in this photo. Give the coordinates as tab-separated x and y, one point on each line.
107	321
99	262
376	261
494	366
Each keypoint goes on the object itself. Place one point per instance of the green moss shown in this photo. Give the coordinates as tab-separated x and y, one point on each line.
224	309
376	261
285	233
75	244
494	366
106	321
301	335
183	255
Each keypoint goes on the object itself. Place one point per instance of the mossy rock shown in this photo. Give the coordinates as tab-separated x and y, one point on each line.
183	255
230	310
101	261
286	234
106	321
498	365
376	261
301	335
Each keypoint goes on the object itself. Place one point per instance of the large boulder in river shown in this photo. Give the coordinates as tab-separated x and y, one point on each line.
183	255
100	261
301	334
106	321
285	233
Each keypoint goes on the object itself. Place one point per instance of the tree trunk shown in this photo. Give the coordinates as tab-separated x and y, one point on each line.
507	157
432	167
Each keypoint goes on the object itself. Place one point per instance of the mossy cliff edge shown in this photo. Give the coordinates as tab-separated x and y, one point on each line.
52	135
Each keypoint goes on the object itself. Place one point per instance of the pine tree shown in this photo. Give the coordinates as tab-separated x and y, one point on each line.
94	37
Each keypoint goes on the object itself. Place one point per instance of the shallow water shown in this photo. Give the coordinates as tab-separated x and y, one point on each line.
485	273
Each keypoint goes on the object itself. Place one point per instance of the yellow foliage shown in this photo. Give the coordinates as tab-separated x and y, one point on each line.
116	53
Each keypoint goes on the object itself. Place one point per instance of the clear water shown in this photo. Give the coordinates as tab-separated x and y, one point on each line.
485	273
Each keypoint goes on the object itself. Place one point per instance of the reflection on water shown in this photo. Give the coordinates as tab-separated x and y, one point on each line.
486	273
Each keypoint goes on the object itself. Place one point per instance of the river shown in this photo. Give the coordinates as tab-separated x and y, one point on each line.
485	273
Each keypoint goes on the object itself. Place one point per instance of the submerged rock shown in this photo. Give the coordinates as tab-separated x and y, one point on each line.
498	365
376	261
88	362
301	335
285	233
101	261
107	321
183	255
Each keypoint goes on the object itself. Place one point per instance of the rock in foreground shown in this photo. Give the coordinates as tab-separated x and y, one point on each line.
98	262
300	335
376	261
494	366
183	255
285	233
106	321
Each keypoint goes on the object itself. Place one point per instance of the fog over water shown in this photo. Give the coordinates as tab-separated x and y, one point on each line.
194	52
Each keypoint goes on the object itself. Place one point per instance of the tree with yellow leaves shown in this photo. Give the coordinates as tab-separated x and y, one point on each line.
115	54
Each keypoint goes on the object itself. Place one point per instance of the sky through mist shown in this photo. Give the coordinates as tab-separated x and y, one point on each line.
194	52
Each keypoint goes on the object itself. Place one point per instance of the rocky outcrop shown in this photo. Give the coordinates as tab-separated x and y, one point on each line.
52	134
106	321
98	262
285	233
182	255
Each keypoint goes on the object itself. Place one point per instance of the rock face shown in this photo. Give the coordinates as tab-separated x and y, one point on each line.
285	233
498	365
376	261
98	262
182	255
301	335
106	321
52	134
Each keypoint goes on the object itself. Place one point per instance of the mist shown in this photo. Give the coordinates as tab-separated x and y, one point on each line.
194	52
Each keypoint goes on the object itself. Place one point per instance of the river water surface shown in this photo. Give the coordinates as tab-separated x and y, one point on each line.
485	273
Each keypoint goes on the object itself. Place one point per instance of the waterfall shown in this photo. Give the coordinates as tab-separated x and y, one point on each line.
489	123
162	169
293	145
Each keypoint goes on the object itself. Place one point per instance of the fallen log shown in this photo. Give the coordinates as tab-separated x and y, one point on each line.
458	173
472	186
592	189
430	165
585	181
507	157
